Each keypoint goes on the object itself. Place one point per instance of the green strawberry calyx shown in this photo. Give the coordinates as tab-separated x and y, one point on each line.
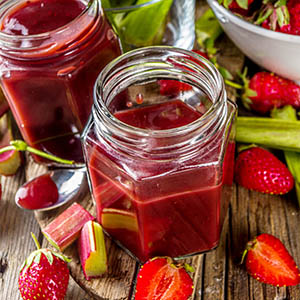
250	245
36	255
174	264
277	13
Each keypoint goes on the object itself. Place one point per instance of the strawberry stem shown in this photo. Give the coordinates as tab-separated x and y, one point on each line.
233	84
38	246
20	145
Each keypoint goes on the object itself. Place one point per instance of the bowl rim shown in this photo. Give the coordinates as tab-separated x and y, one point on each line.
251	27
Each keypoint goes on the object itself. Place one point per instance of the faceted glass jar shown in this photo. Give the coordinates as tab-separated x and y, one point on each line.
48	77
159	149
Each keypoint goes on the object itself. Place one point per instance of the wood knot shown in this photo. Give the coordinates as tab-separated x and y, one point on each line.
3	266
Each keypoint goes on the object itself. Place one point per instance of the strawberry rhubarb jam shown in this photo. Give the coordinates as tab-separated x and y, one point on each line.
158	164
51	52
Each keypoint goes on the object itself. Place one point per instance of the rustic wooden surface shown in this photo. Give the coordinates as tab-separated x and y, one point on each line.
218	274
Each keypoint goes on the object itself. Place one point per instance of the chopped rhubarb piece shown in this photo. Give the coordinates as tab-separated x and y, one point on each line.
92	252
66	227
119	219
11	160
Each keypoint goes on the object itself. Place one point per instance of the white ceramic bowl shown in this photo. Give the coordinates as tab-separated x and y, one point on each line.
274	51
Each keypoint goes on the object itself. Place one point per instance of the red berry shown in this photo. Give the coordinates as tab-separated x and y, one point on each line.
273	91
294	12
38	193
258	169
44	275
268	261
159	278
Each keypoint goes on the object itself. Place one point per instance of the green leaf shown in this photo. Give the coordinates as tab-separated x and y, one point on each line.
242	3
207	28
225	73
189	268
143	26
48	255
31	258
285	113
280	17
226	3
263	16
38	257
61	256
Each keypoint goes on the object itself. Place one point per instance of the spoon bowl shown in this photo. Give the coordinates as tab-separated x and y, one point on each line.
71	185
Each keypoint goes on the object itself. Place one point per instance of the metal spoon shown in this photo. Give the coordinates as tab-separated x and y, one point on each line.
71	185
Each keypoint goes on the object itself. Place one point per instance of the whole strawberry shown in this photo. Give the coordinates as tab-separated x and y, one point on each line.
259	170
268	261
44	275
293	7
269	91
159	278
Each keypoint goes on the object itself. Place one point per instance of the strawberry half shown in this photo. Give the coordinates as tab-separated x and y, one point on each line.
160	279
258	169
268	261
44	275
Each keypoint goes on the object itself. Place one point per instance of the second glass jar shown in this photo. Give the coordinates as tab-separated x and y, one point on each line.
159	148
51	53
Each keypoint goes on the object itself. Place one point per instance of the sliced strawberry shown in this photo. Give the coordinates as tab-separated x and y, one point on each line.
258	169
160	279
268	261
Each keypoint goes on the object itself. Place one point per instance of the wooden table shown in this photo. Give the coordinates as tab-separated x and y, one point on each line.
218	274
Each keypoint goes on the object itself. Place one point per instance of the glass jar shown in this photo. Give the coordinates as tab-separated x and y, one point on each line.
51	53
159	149
152	22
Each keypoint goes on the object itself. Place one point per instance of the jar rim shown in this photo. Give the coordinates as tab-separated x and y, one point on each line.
102	111
5	36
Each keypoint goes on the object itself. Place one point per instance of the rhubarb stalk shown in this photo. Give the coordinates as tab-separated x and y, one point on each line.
268	132
292	158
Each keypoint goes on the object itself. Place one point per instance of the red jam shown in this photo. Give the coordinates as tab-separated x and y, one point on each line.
50	15
38	193
171	215
50	90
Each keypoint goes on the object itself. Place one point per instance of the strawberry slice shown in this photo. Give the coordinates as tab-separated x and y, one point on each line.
268	261
160	279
